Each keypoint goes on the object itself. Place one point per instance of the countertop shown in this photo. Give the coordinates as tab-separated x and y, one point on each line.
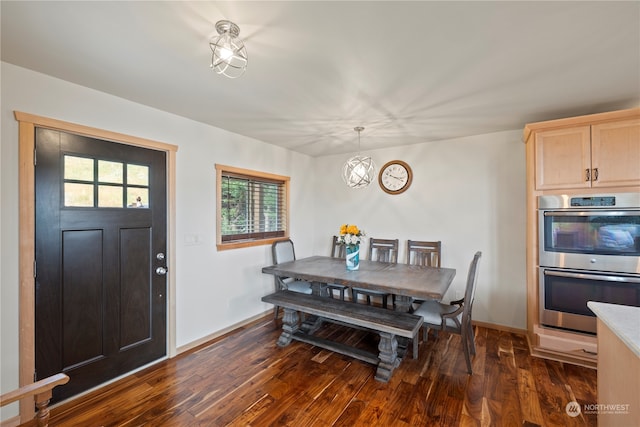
623	320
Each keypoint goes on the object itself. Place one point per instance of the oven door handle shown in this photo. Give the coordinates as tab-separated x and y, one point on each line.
620	279
616	212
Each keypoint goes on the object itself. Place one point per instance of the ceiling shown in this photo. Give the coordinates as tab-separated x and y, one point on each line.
409	72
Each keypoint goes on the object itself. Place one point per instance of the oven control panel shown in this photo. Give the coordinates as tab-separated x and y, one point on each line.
593	201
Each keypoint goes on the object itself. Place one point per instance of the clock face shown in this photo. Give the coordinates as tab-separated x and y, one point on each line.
395	177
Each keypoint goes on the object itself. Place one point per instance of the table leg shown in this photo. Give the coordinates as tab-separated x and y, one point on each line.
320	289
388	356
289	327
402	303
312	323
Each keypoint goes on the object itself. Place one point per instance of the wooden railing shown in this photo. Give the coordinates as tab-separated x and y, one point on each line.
41	392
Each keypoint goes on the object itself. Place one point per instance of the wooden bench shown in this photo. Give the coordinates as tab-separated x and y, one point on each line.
389	324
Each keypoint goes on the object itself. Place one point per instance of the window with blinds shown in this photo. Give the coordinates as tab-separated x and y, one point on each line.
252	207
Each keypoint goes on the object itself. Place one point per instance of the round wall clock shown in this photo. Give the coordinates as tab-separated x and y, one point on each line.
395	177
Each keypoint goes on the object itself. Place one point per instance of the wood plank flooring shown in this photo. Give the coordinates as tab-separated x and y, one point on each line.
244	379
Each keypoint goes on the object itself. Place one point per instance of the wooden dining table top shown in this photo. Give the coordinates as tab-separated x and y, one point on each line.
400	279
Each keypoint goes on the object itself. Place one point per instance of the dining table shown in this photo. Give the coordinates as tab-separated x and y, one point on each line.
406	282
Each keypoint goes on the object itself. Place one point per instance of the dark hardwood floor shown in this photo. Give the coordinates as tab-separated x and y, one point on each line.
245	379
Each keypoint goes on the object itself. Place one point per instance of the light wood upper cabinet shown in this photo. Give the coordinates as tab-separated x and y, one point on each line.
563	158
615	153
599	155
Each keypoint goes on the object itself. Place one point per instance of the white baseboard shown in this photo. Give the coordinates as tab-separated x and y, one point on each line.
217	334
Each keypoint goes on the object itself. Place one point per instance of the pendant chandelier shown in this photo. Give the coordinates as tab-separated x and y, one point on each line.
228	54
359	171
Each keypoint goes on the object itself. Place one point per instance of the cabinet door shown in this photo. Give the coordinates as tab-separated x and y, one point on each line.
563	158
615	150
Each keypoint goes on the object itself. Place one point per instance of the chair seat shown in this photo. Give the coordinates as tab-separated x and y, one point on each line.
298	286
431	312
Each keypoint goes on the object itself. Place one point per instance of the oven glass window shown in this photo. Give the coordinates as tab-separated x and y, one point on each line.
612	233
570	295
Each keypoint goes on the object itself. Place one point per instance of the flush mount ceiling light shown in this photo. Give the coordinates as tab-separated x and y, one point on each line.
359	171
228	54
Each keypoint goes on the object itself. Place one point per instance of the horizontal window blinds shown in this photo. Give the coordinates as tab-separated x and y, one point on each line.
252	208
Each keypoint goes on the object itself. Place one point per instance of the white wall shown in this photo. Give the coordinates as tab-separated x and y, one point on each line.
469	193
214	289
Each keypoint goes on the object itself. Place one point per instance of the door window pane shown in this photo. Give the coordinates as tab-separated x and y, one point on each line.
138	175
137	197
78	168
78	195
81	183
109	196
111	172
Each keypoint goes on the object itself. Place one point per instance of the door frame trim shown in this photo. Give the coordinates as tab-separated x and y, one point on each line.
26	189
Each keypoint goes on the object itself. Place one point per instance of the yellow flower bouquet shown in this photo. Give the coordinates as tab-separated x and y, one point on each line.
350	235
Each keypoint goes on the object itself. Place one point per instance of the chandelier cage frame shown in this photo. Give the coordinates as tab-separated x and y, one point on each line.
228	52
359	171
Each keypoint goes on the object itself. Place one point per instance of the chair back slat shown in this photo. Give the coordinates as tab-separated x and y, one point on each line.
424	253
383	250
337	250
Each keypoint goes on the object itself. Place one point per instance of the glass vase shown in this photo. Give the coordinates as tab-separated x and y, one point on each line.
353	257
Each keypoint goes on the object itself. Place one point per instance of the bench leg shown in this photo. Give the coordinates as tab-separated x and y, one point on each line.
289	327
388	356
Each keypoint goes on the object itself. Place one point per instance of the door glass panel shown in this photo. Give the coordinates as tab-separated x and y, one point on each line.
137	197
111	172
81	194
138	175
109	196
78	195
78	168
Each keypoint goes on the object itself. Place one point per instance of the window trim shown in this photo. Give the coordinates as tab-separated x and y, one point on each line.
220	169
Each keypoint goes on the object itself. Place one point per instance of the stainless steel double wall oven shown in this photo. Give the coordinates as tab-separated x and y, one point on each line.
589	250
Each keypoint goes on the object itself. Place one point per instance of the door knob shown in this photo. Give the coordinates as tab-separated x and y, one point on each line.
161	271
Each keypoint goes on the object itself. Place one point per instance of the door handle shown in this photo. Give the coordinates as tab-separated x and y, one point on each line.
161	271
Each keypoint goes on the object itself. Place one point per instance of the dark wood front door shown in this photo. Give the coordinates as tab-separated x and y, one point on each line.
100	304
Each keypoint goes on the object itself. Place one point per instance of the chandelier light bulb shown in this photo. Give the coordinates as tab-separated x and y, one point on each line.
225	53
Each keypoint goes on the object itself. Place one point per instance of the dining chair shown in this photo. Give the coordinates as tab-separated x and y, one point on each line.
380	250
453	317
424	253
284	251
337	251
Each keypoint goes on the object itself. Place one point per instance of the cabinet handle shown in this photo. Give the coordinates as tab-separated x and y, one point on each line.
595	174
588	174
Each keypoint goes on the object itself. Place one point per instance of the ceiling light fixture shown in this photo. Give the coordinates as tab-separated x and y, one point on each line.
228	54
359	171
